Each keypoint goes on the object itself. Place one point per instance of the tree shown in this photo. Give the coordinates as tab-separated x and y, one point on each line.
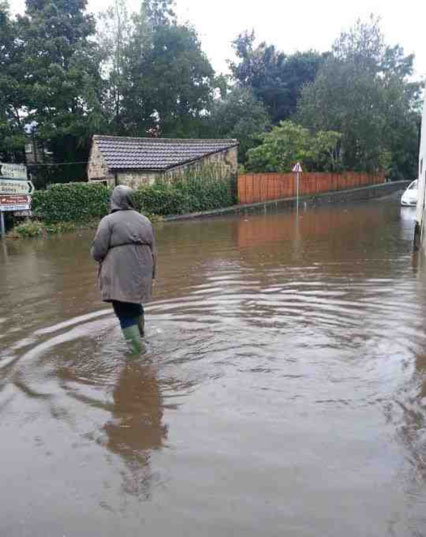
239	115
170	78
12	94
289	143
61	63
363	91
115	30
300	69
159	12
275	79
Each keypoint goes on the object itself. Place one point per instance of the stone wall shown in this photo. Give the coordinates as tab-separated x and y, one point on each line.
135	178
97	170
226	164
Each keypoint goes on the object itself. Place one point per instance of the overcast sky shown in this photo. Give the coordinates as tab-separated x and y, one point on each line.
293	25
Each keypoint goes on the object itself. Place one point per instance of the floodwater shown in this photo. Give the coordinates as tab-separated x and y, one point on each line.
281	392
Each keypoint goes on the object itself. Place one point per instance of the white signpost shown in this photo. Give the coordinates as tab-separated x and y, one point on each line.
13	171
19	188
15	191
297	170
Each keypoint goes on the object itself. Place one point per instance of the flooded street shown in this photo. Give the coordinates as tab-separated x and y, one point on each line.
282	389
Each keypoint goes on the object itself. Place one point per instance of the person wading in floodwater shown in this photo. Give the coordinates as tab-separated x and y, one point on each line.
124	247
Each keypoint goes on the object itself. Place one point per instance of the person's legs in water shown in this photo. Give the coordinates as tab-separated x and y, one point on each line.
131	321
132	336
141	324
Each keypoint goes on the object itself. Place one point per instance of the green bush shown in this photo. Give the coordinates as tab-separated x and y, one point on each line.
161	199
187	194
194	191
201	189
71	202
36	228
28	229
206	194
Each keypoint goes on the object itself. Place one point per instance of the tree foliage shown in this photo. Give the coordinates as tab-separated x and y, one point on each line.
158	12
115	27
275	78
159	80
363	90
66	78
171	81
289	143
239	115
61	76
12	92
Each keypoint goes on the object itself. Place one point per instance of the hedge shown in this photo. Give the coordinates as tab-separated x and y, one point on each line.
83	202
71	202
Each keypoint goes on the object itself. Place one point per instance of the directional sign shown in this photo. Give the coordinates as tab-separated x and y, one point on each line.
15	203
13	171
11	186
297	168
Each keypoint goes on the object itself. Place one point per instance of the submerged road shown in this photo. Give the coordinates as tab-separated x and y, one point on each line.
282	389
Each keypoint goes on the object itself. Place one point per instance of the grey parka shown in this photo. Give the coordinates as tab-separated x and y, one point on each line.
124	247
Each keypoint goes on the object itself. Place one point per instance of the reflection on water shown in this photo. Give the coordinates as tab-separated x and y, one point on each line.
135	428
282	388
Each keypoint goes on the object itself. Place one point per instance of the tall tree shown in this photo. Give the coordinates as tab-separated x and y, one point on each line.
364	91
61	62
12	93
274	78
239	115
115	29
170	78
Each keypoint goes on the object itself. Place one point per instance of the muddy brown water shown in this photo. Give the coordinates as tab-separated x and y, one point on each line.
281	392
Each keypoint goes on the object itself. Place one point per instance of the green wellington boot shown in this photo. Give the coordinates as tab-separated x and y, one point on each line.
133	337
141	325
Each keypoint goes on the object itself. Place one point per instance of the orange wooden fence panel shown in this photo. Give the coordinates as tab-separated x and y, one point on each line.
258	187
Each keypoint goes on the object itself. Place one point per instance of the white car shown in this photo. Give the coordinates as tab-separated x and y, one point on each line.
409	198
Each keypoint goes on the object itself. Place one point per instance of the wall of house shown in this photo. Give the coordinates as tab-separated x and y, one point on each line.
134	179
97	169
226	161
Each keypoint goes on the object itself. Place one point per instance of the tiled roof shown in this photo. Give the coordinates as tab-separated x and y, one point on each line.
160	154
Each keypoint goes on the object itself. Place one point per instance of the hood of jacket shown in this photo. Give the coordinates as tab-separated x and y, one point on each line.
122	199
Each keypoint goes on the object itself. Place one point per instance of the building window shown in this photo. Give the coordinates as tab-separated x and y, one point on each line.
28	148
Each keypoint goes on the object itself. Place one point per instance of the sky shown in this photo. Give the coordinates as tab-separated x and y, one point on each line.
292	25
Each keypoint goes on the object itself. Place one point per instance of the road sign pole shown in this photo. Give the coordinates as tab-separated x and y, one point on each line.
297	192
2	226
297	170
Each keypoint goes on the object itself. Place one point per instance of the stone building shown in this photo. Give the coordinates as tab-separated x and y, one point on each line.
135	161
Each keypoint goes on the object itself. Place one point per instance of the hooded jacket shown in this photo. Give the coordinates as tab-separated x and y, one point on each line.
124	247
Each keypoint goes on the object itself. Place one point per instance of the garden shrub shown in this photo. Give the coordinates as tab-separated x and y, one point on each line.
36	228
71	202
160	198
194	191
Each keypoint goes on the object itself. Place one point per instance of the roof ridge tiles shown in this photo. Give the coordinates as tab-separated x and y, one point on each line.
182	141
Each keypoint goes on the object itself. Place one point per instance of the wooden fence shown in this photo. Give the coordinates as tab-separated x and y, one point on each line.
258	187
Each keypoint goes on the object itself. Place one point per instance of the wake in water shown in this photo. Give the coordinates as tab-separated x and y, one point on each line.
282	381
